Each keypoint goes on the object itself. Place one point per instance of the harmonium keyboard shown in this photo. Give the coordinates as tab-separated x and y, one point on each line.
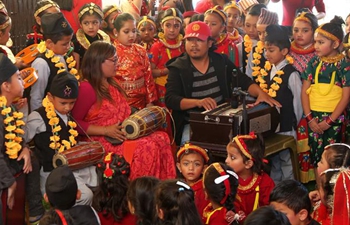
213	129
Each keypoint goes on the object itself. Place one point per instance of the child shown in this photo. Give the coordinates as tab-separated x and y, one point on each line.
292	199
282	82
191	162
216	20
52	122
220	184
246	5
233	16
267	215
133	69
15	157
256	57
110	13
57	35
147	29
42	7
245	155
141	202
302	51
325	91
187	17
61	191
90	19
175	204
331	199
251	37
168	47
110	197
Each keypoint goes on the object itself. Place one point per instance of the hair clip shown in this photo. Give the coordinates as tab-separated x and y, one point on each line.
232	173
221	179
181	189
180	183
108	173
335	144
330	170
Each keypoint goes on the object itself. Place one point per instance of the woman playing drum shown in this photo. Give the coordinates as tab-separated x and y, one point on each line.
101	108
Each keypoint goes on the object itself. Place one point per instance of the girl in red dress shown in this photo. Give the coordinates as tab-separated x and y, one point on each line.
169	46
216	20
191	162
220	183
110	197
175	204
245	155
233	17
147	29
133	69
110	13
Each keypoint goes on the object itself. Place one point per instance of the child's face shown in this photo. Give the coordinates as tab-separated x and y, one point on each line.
215	24
233	17
62	46
5	35
235	160
90	25
16	85
324	46
171	29
50	10
147	31
292	217
302	33
250	26
191	167
347	25
322	165
261	28
62	106
274	55
110	20
127	34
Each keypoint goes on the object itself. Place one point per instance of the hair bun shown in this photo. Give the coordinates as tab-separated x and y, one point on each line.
337	20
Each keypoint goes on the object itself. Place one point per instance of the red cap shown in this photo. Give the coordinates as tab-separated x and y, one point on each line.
197	29
189	14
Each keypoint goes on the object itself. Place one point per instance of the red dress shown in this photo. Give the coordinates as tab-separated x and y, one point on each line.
248	189
134	75
109	220
199	196
152	154
214	216
225	45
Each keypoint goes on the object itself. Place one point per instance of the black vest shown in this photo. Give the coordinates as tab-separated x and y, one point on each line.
53	71
285	97
244	58
42	141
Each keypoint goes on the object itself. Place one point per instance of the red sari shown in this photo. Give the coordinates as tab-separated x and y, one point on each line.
134	75
152	154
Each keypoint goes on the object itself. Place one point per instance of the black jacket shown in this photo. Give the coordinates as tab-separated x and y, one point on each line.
180	84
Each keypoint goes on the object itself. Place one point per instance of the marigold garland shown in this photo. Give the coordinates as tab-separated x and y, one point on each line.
260	73
53	122
13	127
248	45
71	63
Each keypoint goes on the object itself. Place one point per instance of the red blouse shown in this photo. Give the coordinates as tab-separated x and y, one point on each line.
199	196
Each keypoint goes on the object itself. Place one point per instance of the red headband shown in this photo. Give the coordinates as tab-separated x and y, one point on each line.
239	140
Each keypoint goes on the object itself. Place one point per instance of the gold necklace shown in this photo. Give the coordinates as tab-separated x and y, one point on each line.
56	60
332	59
162	39
13	127
53	122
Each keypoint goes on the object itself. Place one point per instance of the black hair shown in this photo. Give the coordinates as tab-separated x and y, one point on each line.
169	12
40	4
179	5
59	36
121	19
256	148
188	5
216	192
177	203
255	10
51	217
3	19
210	11
281	44
110	196
312	18
335	27
105	24
197	17
159	20
141	196
88	12
292	194
266	215
65	4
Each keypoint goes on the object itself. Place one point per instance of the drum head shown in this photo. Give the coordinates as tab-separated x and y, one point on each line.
131	128
59	160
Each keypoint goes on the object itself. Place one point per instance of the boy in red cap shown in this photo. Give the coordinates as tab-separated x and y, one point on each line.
208	79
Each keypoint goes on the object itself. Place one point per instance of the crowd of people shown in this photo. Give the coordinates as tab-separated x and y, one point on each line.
93	73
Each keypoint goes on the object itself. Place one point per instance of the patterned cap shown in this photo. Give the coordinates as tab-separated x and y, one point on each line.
64	85
245	4
198	29
55	23
267	17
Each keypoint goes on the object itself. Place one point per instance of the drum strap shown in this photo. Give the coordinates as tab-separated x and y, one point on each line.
72	118
63	219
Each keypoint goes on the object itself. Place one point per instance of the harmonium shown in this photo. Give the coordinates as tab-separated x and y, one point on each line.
213	129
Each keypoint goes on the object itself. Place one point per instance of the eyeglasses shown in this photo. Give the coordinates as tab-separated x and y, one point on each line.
114	59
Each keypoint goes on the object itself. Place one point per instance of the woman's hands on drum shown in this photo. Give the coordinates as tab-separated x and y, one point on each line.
115	131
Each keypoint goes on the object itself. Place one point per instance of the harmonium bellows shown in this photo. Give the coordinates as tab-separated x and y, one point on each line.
216	127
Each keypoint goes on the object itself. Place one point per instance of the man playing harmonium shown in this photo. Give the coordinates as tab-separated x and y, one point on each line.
201	78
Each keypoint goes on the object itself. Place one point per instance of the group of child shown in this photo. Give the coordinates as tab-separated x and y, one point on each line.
218	193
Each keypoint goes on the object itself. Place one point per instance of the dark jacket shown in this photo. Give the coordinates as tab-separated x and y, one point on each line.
180	84
6	178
